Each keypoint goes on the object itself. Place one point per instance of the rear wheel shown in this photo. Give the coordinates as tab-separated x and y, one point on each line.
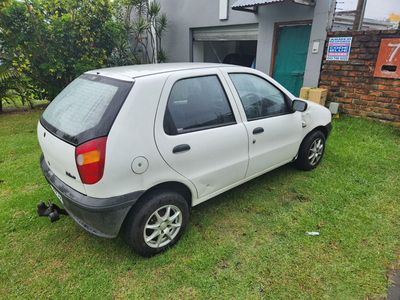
311	151
156	223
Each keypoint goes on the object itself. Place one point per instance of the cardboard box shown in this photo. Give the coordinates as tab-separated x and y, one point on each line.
316	95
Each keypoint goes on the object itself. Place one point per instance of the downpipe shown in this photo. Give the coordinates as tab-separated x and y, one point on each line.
51	210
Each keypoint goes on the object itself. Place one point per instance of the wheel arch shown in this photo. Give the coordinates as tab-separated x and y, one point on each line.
175	186
319	128
178	187
323	129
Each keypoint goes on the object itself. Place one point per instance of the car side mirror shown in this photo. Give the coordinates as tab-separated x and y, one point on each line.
299	105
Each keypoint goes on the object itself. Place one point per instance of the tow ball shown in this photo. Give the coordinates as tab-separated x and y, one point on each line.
51	210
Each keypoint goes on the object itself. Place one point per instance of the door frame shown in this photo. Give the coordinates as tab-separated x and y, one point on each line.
275	43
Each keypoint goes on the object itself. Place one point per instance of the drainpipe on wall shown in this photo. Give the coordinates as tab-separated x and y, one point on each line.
154	40
358	20
331	15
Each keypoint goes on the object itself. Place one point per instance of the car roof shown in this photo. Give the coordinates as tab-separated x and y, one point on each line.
135	71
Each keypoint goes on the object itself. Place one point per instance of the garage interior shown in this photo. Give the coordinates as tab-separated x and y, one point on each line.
214	44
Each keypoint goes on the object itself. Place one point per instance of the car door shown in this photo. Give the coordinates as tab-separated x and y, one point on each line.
199	132
274	129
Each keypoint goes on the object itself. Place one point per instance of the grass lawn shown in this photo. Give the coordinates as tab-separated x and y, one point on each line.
248	243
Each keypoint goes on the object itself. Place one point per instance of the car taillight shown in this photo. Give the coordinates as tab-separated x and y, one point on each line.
90	158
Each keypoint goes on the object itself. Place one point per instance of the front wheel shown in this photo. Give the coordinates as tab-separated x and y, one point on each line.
311	151
156	223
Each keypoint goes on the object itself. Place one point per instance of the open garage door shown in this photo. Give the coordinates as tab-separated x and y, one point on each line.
235	44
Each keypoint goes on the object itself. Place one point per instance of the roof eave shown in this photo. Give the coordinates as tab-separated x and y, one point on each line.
253	7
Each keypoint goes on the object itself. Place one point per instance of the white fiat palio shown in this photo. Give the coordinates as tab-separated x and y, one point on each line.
137	146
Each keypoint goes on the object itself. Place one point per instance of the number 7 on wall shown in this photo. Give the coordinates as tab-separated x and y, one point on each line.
388	61
397	46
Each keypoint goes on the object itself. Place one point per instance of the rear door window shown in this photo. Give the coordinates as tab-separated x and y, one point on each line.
197	103
86	108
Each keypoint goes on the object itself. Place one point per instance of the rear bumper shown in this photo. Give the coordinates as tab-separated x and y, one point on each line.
102	217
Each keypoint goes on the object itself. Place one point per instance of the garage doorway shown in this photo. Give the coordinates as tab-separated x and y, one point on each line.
290	54
229	44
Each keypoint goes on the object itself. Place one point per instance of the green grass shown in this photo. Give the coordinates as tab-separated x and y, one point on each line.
248	243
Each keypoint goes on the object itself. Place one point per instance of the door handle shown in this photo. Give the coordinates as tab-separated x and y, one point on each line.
181	148
258	130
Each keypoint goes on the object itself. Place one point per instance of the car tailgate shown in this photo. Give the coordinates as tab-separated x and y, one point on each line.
60	157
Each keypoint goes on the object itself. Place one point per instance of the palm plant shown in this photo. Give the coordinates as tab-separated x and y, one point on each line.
142	25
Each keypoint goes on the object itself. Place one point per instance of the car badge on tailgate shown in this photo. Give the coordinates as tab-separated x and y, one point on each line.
70	175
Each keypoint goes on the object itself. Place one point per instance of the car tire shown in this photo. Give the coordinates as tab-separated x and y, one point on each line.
311	151
156	223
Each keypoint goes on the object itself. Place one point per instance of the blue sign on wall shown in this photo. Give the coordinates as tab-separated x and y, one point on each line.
339	48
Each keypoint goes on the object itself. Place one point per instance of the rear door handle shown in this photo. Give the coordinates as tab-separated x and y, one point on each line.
181	148
258	130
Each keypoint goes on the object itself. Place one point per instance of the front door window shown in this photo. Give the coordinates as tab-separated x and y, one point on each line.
260	98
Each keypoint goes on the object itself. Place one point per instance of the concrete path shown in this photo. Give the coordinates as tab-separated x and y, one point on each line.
394	289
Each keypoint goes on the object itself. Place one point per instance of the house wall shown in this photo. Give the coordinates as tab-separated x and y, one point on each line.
185	15
352	83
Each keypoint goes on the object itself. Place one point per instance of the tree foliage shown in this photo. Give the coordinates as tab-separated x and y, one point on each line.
54	41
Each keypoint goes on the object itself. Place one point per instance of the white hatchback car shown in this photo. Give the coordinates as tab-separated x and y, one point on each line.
137	146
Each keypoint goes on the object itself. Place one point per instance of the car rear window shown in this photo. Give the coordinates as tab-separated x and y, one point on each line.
86	108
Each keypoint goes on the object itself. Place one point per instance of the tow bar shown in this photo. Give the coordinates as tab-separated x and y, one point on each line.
51	210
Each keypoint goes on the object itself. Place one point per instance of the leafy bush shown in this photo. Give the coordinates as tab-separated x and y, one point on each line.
54	41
